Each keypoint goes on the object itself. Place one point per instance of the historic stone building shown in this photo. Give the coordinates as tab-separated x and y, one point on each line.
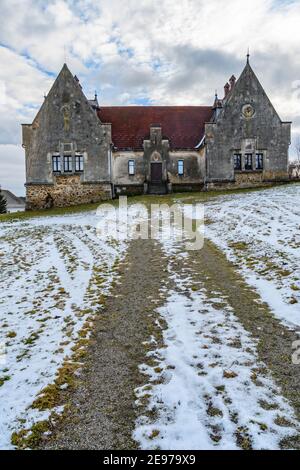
80	152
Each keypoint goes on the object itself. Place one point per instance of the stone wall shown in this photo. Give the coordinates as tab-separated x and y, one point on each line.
242	180
120	173
65	191
129	190
67	125
247	123
187	187
194	167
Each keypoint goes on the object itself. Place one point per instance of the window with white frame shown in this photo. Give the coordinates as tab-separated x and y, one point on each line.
131	167
248	161
56	163
78	163
259	161
180	167
68	163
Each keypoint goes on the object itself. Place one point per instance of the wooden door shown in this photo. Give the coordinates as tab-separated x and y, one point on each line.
156	172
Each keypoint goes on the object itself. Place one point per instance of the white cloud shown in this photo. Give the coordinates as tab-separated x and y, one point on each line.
156	51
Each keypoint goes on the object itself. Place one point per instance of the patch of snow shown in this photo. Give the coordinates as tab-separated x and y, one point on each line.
209	397
267	223
47	265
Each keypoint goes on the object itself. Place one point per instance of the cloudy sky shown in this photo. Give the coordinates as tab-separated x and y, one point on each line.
141	52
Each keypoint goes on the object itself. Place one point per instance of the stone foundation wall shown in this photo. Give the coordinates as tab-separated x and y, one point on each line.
129	190
65	191
245	180
182	188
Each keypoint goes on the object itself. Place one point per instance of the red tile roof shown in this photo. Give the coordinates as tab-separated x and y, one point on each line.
182	125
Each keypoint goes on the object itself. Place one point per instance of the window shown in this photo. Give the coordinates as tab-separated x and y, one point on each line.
78	163
180	167
67	147
68	163
248	161
259	161
131	167
237	161
56	163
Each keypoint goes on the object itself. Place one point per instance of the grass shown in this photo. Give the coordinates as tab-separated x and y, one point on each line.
11	334
188	197
154	434
4	379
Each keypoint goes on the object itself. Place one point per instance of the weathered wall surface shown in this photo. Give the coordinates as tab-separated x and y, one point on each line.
194	167
242	180
66	125
66	191
240	128
120	168
157	149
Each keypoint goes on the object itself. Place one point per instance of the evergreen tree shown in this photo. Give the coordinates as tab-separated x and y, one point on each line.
3	208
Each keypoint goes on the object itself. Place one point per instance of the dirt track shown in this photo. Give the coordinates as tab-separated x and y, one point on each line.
102	413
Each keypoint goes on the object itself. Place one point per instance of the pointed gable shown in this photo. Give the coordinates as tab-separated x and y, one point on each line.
248	90
65	91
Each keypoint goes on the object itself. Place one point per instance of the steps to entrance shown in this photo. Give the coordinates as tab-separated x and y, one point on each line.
157	188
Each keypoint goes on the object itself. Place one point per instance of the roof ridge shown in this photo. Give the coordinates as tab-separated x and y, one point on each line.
156	106
182	125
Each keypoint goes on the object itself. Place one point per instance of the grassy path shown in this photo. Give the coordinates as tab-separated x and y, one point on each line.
102	413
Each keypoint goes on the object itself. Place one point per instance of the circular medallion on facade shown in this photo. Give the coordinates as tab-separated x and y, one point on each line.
248	111
156	157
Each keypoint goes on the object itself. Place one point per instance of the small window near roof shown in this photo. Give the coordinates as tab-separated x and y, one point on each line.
131	167
78	163
56	163
180	167
259	161
68	163
67	147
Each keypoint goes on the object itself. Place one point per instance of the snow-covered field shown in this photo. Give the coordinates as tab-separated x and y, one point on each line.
53	273
260	232
212	391
209	389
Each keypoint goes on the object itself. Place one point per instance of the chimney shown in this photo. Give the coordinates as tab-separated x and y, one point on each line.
226	89
232	81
